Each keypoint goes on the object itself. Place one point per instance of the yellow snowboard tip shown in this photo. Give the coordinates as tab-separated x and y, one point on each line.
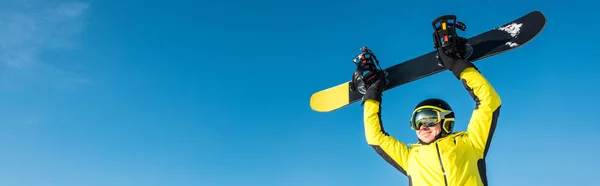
331	98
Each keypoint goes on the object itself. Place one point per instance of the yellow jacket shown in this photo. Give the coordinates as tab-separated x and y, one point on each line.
455	160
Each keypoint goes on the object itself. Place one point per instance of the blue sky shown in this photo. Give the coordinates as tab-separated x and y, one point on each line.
215	93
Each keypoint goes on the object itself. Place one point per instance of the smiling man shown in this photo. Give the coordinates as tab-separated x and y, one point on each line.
442	156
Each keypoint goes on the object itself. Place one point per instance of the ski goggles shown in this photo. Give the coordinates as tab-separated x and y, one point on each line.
429	116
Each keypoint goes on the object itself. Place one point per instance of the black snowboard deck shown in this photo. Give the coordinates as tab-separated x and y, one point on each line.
501	39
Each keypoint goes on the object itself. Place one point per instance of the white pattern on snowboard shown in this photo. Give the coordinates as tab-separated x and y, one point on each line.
514	29
512	44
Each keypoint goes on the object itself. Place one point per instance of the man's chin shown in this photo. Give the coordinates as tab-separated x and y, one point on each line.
425	137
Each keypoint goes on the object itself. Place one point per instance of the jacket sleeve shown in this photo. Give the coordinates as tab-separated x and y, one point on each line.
487	108
391	150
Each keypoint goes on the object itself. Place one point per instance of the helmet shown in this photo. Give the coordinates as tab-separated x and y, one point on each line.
432	111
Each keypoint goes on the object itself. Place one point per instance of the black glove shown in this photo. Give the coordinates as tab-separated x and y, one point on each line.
374	85
453	63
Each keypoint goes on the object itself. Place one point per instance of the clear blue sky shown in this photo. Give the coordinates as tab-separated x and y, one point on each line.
215	93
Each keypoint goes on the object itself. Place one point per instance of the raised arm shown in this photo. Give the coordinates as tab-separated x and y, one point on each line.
487	108
391	150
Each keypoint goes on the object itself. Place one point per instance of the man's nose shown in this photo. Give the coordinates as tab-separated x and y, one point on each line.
422	127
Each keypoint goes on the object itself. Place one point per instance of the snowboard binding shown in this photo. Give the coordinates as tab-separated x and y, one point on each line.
367	68
446	37
366	59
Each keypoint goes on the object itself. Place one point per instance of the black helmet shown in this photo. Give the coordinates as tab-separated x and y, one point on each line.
433	111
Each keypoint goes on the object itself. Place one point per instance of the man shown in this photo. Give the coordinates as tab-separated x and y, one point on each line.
441	157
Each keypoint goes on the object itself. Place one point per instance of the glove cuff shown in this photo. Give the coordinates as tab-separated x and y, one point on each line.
460	65
374	95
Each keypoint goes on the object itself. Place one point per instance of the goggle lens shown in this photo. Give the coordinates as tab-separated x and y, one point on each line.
427	117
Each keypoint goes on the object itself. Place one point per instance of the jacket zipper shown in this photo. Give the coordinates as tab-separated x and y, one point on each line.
442	165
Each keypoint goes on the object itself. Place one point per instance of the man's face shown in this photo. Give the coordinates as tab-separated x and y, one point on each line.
428	134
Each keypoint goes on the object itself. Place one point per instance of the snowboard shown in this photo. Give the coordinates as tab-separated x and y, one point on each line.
504	38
